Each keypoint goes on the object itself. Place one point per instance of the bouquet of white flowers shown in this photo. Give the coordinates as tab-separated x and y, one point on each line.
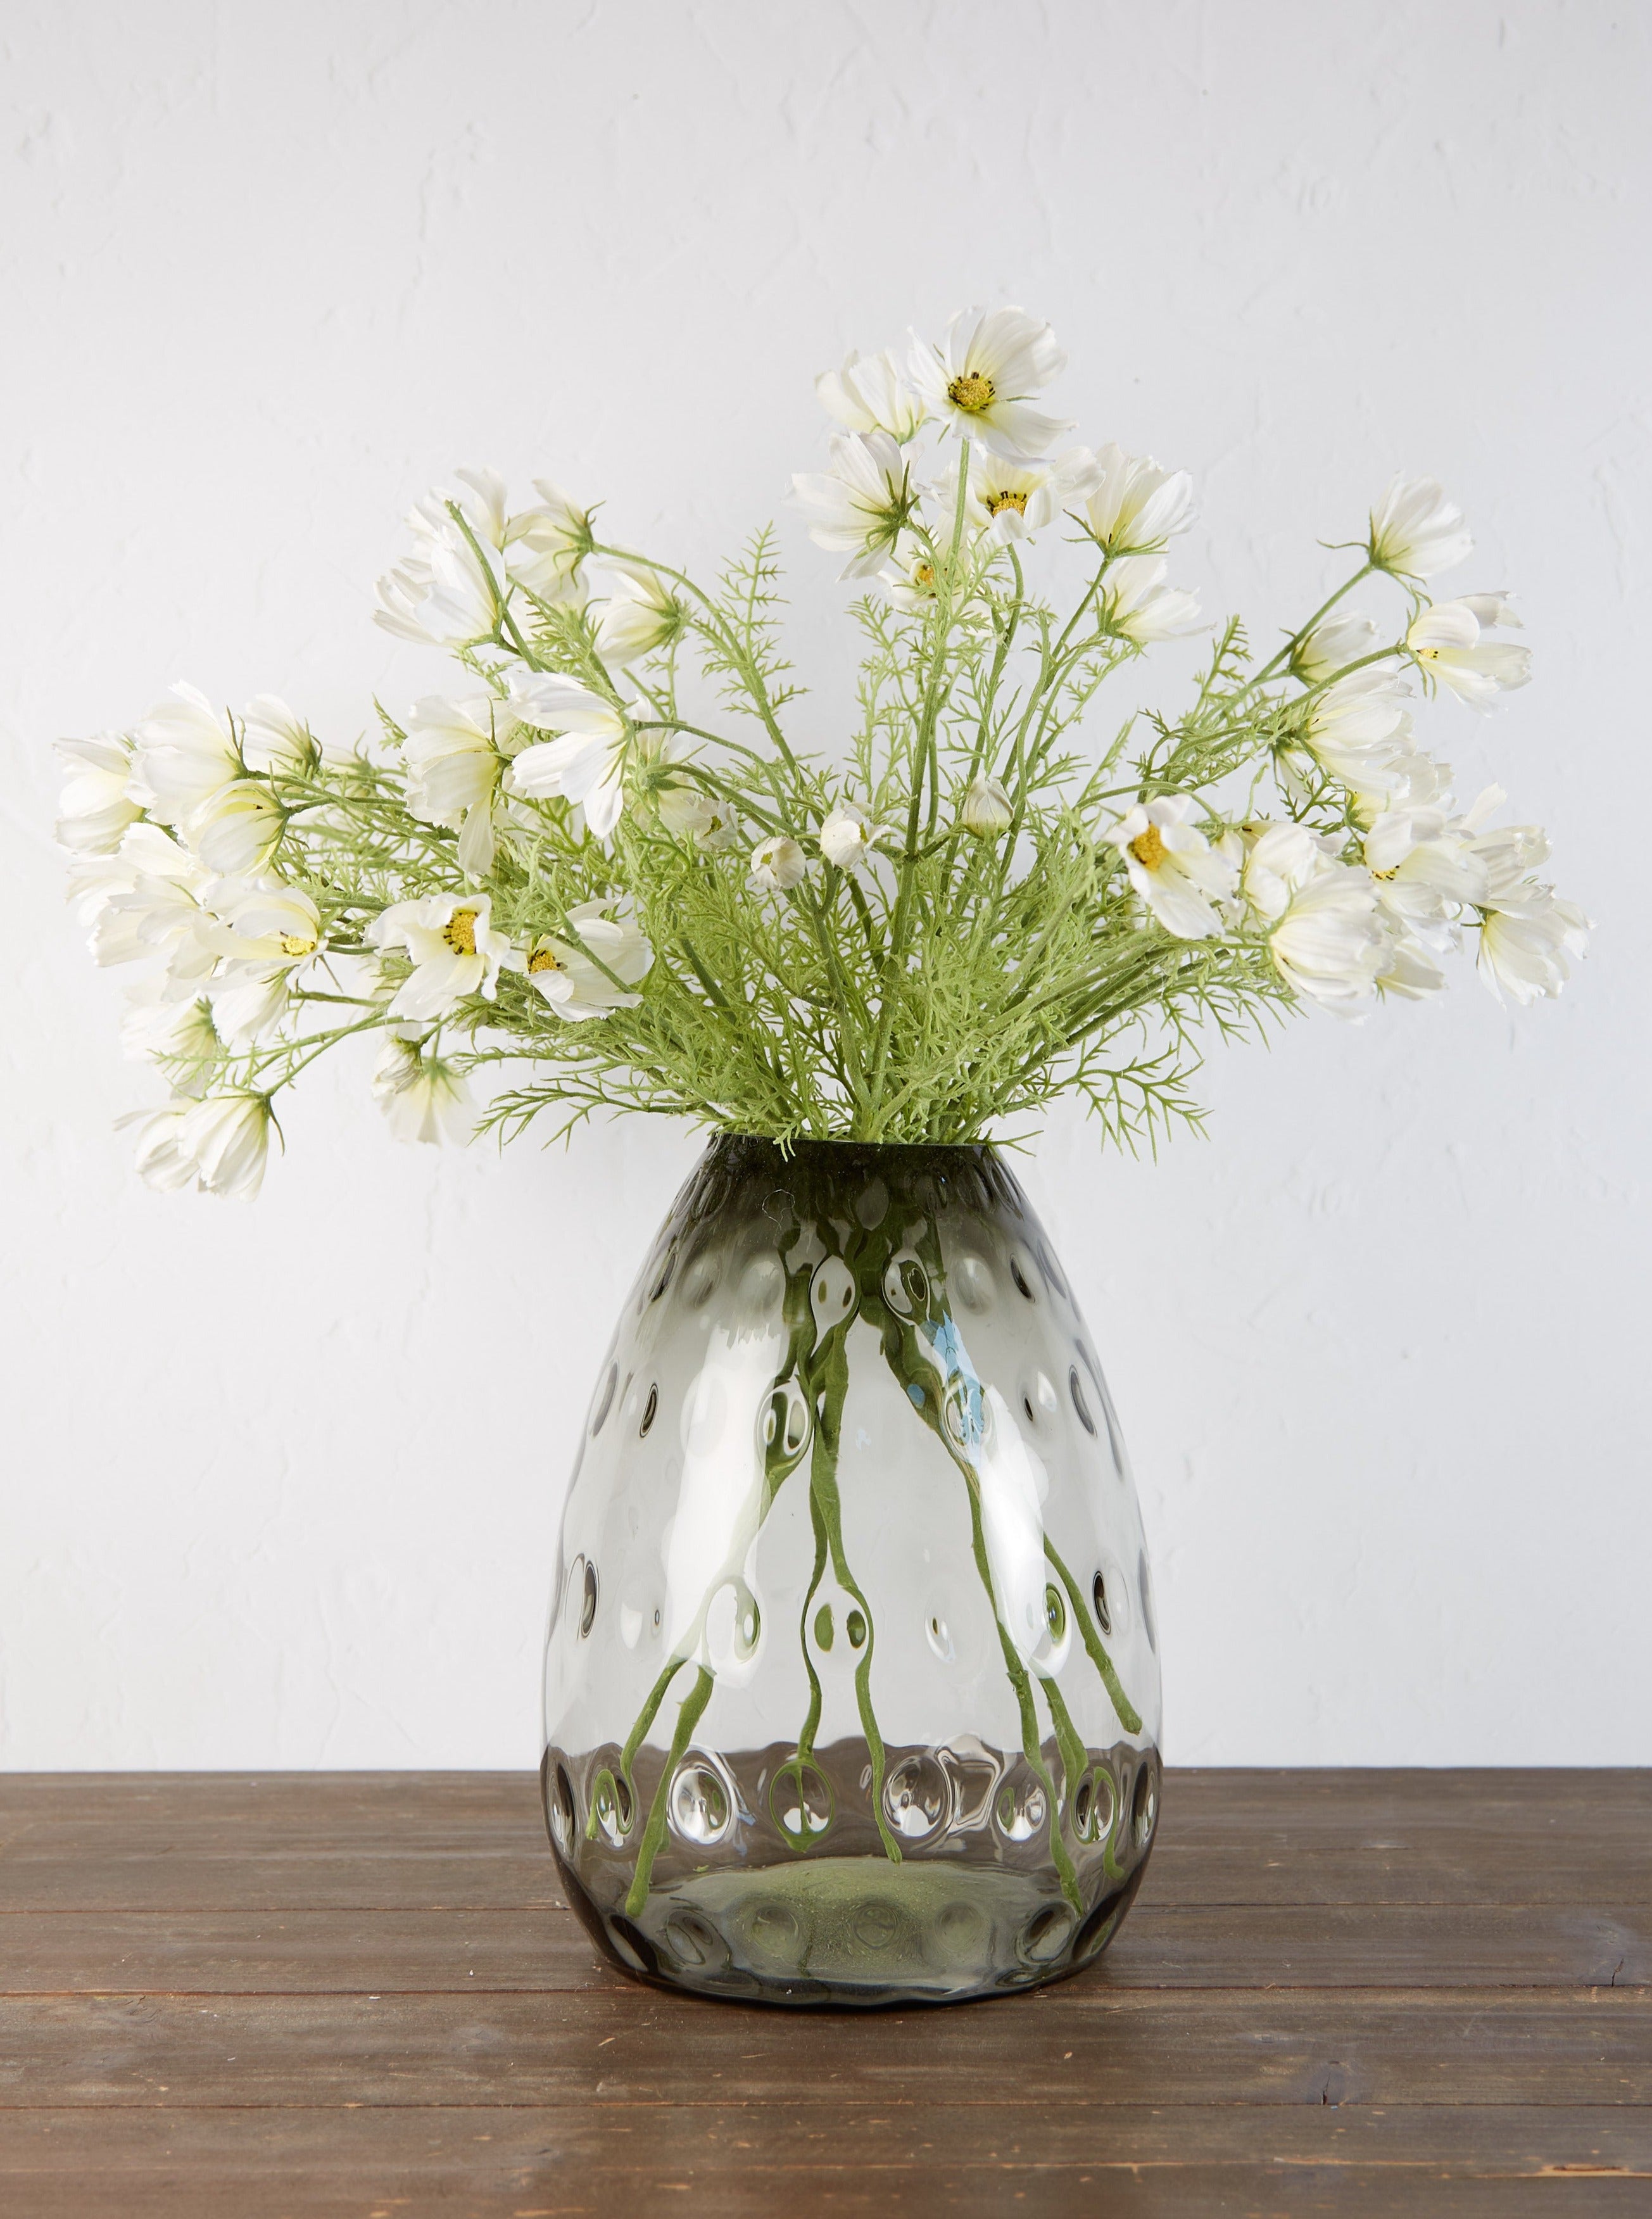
606	864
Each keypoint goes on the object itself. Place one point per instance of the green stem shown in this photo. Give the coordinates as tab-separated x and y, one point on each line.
688	1716
645	1718
923	744
1302	630
1073	1759
832	1376
1129	1717
811	1722
1031	1744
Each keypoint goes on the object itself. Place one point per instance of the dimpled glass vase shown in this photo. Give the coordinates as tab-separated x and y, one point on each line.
852	1686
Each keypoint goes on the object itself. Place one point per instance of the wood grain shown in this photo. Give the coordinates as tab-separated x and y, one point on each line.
314	1996
533	1950
456	1841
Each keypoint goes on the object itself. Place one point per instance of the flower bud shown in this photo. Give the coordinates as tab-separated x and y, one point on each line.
234	831
986	810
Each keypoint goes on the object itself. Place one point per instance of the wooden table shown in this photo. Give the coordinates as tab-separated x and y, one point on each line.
360	1994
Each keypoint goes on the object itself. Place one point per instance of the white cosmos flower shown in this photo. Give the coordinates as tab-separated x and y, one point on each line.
423	1097
849	836
588	969
186	753
1172	866
860	504
454	765
586	765
1332	645
274	739
1416	530
986	810
93	883
1509	853
1526	940
454	949
1011	500
1408	969
871	395
1358	728
1412	780
776	865
1526	929
641	615
1425	871
980	379
545	546
269	924
1137	603
97	806
227	1138
236	829
1330	945
448	592
145	901
1449	639
1280	860
273	935
452	599
1134	508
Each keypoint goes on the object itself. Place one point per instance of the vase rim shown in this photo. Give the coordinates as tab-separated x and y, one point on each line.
802	1146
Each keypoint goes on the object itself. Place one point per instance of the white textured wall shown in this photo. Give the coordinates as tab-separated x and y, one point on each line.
281	1483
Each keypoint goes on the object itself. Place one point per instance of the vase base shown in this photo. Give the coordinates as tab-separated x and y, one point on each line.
857	1932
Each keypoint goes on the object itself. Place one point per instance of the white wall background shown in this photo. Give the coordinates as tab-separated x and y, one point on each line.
281	1482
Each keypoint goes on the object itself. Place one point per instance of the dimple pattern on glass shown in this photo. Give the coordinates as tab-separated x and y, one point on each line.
852	1692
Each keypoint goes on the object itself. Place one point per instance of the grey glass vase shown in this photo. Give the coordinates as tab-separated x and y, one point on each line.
852	1686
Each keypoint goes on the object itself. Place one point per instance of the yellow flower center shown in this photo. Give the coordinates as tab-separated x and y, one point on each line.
460	932
293	944
545	959
1148	847
1393	874
972	392
923	575
995	501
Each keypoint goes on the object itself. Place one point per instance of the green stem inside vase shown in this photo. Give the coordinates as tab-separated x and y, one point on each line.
688	1716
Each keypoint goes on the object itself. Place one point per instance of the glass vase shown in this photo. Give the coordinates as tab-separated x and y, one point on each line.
852	1688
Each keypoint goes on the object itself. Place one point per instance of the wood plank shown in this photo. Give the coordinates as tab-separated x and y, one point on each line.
533	1951
838	2192
183	1879
305	2165
1081	2042
1498	2139
1231	1797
